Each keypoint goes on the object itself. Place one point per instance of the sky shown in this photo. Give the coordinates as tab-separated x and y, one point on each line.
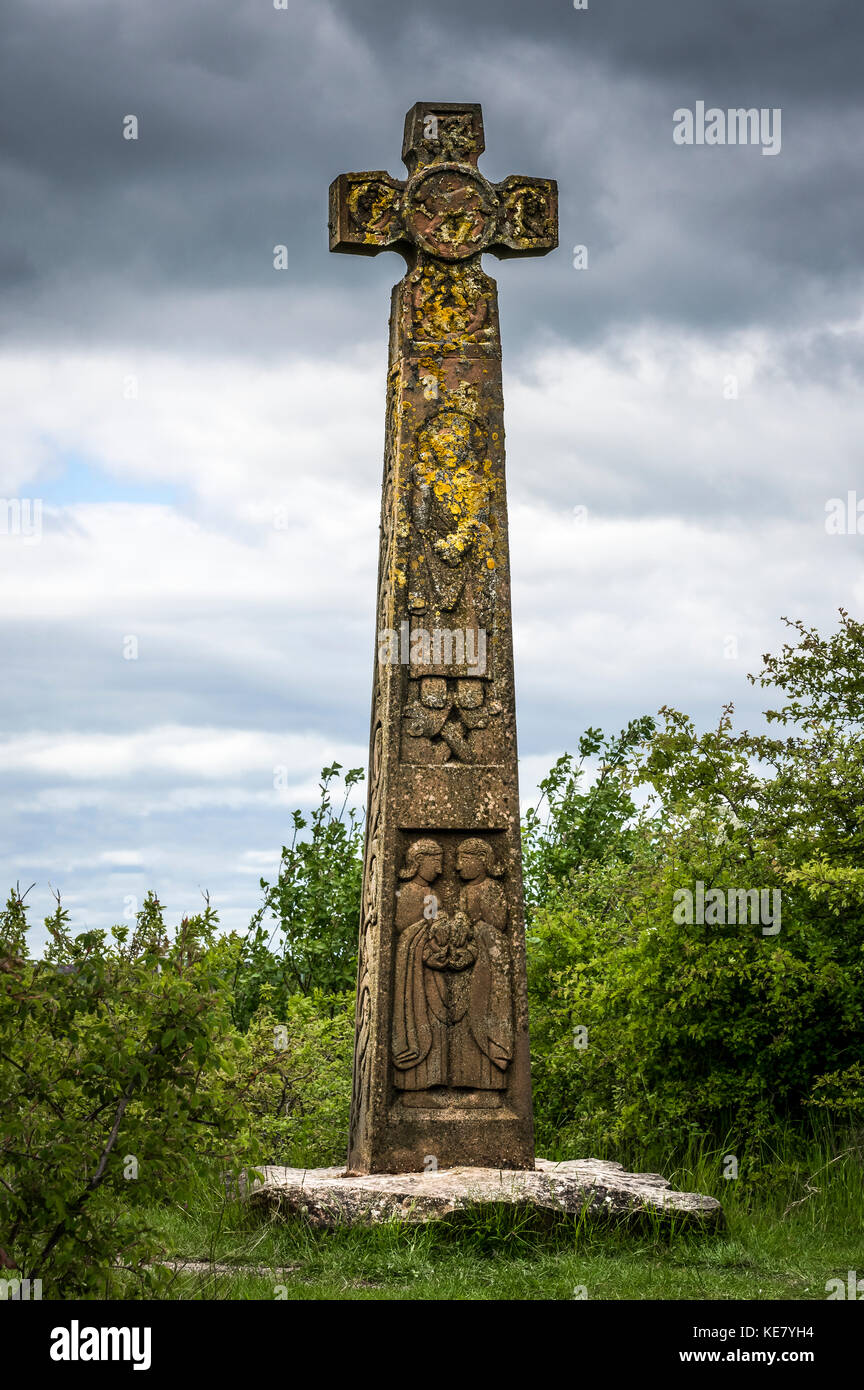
192	438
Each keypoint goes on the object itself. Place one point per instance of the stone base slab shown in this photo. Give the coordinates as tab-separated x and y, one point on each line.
330	1197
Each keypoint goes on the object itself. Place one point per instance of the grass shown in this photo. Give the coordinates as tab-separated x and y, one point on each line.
782	1240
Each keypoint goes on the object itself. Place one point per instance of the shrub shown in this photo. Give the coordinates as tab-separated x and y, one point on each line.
107	1045
720	1032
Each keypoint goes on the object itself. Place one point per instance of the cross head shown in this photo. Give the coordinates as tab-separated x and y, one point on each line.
446	208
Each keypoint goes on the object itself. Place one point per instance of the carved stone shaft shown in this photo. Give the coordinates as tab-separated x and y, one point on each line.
441	1065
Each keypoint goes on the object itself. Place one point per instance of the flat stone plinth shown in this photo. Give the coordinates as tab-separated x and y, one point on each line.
331	1197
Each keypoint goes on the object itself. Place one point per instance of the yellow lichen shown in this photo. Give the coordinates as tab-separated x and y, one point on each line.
449	467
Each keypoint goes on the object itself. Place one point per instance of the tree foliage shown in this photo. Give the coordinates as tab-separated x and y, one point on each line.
720	1030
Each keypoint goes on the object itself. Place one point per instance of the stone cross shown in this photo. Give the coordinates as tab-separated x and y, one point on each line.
441	1064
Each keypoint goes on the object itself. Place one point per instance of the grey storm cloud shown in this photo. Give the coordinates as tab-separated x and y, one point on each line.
246	112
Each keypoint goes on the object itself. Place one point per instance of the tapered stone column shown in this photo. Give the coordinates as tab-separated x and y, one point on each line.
441	1065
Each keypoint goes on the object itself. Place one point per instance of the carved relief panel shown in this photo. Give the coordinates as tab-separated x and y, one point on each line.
452	988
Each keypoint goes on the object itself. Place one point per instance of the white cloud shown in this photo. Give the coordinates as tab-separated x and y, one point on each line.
175	752
238	433
643	427
255	642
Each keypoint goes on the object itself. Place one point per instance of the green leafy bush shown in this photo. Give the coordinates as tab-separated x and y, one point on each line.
311	912
293	1080
107	1046
716	1031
